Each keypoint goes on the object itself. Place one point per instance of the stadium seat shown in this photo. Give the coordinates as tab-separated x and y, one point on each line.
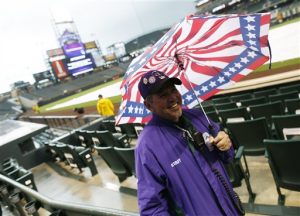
129	130
224	106
127	154
265	92
214	116
78	157
23	176
254	101
292	105
287	126
108	124
138	128
250	134
221	100
208	108
8	164
289	88
206	103
284	161
114	161
239	97
114	140
83	138
95	138
233	115
283	96
267	110
56	152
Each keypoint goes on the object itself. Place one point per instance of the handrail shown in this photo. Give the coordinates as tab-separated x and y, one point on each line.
52	116
82	209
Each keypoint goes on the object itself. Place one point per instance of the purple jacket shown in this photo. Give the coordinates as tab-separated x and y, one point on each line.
167	168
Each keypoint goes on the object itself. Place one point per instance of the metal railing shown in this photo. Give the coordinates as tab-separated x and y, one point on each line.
52	205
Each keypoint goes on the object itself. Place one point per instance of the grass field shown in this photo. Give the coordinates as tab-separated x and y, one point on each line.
115	99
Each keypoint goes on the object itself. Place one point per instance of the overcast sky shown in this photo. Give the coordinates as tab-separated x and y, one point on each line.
26	30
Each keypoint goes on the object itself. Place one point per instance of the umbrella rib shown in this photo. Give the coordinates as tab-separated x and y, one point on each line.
207	119
181	67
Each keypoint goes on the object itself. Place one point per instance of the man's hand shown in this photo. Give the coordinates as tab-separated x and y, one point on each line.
221	141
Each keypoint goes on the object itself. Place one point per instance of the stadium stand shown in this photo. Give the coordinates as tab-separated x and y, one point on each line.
9	110
290	9
68	87
281	10
144	41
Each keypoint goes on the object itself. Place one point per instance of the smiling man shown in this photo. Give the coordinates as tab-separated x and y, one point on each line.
179	156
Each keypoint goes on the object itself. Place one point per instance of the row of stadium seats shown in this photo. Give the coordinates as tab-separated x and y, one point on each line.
226	113
73	156
11	168
256	138
102	138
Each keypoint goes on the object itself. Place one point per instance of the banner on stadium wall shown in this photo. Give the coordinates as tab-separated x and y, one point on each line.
71	44
42	76
59	68
74	49
90	45
98	59
55	52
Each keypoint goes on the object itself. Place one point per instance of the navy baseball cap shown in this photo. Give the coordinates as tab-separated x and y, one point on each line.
152	81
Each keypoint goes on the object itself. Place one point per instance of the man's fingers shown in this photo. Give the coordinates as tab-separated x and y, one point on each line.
221	141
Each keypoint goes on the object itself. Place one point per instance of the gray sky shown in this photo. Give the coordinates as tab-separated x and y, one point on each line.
26	30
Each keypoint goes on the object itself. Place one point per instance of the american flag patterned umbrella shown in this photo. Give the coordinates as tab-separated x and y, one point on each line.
207	53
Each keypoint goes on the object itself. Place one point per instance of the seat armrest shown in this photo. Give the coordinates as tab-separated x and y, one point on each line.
124	139
239	153
86	155
266	154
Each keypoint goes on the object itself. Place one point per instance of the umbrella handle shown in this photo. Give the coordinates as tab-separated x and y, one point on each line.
212	130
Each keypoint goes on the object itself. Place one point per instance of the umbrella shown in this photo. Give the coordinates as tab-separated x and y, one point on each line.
207	53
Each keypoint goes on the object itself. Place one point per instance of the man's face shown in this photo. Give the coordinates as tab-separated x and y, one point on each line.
166	103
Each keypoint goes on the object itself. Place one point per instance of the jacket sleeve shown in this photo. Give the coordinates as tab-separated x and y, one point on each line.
151	186
98	108
226	156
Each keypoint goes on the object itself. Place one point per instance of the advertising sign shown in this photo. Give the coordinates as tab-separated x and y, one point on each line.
98	59
55	52
77	60
80	65
59	69
42	76
73	49
90	45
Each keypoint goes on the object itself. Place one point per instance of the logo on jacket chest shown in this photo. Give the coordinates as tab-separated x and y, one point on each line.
175	163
